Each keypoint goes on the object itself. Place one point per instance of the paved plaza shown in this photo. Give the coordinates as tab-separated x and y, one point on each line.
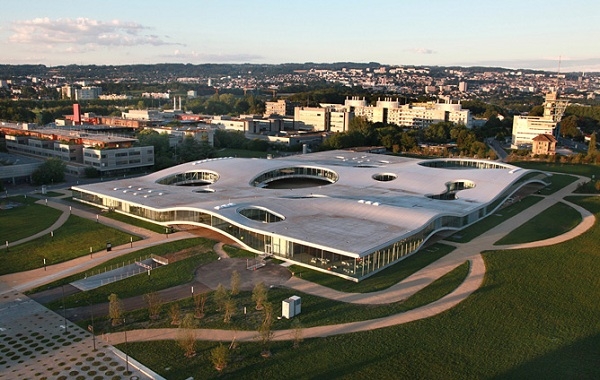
34	344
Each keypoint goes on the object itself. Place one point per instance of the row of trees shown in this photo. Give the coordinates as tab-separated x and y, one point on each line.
225	302
166	156
362	132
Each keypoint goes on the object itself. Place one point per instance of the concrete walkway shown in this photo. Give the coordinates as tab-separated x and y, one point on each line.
470	252
31	279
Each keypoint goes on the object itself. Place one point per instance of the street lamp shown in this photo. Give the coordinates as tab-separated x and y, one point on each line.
91	327
64	311
126	348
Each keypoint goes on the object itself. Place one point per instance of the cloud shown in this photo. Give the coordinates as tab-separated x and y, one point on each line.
421	50
74	33
193	56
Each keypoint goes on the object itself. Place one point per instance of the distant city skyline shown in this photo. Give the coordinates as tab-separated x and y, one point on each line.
510	34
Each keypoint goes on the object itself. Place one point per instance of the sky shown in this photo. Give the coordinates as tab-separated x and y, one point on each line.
518	34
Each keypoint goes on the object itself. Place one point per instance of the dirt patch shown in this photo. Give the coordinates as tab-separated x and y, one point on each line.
219	272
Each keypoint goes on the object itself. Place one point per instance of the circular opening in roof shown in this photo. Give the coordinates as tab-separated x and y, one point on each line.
384	177
204	190
463	164
190	178
295	177
260	214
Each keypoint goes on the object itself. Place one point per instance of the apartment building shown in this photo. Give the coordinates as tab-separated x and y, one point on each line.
526	128
418	115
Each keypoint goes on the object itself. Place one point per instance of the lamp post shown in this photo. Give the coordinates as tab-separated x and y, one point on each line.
64	311
91	328
126	348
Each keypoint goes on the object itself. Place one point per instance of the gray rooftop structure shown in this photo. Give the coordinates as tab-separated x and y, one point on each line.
346	203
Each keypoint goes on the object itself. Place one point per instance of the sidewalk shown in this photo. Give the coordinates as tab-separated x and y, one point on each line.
464	252
27	280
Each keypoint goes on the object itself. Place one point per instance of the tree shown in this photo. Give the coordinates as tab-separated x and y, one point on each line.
199	302
569	126
191	150
219	357
220	296
235	283
51	171
265	331
154	303
91	172
186	337
298	332
537	111
115	309
259	295
163	157
229	307
175	314
592	146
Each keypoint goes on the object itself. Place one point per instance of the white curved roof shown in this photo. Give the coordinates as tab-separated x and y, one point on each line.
336	217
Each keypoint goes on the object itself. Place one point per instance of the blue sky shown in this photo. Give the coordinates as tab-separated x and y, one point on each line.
507	33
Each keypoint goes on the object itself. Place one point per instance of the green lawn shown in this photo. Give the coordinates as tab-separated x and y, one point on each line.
382	280
474	230
177	273
236	252
73	239
575	169
557	182
535	317
160	250
135	222
26	220
551	222
316	311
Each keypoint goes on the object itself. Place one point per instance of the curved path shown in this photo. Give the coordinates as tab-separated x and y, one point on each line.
464	252
30	279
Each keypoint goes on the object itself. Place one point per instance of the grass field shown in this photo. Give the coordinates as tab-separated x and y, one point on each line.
26	220
73	239
316	311
177	273
135	222
557	182
554	221
575	169
482	226
535	317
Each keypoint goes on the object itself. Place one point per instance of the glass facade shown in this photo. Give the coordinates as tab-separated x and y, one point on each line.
300	252
467	164
295	171
198	178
